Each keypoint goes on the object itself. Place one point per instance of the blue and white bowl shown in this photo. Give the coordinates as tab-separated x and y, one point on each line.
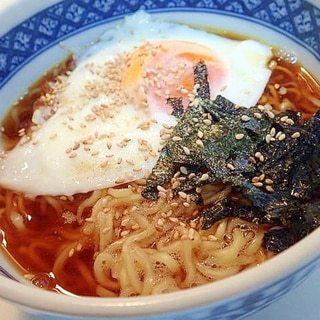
30	33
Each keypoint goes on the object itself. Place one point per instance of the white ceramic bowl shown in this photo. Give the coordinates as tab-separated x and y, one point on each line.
30	32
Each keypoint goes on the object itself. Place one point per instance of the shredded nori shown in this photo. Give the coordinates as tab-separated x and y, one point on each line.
272	160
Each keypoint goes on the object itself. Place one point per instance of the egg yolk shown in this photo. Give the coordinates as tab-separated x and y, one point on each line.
163	69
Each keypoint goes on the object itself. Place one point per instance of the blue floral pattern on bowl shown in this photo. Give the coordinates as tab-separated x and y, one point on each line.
299	19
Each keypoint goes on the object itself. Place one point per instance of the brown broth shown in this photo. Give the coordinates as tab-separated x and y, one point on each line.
36	247
19	115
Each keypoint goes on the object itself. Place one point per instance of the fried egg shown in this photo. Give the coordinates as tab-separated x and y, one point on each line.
105	122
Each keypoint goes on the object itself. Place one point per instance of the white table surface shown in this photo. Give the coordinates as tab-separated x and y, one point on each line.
302	303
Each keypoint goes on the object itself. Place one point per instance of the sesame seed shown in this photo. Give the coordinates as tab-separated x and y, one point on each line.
194	102
129	162
76	146
255	179
262	177
71	252
162	195
174	205
245	118
106	230
268	181
204	177
182	194
253	160
152	154
272	132
230	166
257	115
165	125
269	138
267	107
200	134
175	184
199	143
283	90
191	234
90	117
183	90
186	150
110	155
177	174
104	164
183	170
281	137
21	132
119	160
272	64
176	138
119	180
125	222
269	188
135	227
192	175
198	189
239	136
160	188
172	219
270	114
295	135
211	237
289	121
207	121
143	148
193	224
257	184
124	233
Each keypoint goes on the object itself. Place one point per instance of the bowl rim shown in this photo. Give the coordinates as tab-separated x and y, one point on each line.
306	250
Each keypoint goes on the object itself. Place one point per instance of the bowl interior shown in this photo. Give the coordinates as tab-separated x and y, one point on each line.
39	41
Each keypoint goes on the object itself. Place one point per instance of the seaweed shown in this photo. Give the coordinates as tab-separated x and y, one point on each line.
272	160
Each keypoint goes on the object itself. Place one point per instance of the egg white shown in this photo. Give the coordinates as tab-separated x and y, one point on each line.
92	134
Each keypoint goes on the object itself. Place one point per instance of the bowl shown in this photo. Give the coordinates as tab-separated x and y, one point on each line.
31	34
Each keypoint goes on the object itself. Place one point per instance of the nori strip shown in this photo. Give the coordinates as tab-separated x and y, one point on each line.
272	160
